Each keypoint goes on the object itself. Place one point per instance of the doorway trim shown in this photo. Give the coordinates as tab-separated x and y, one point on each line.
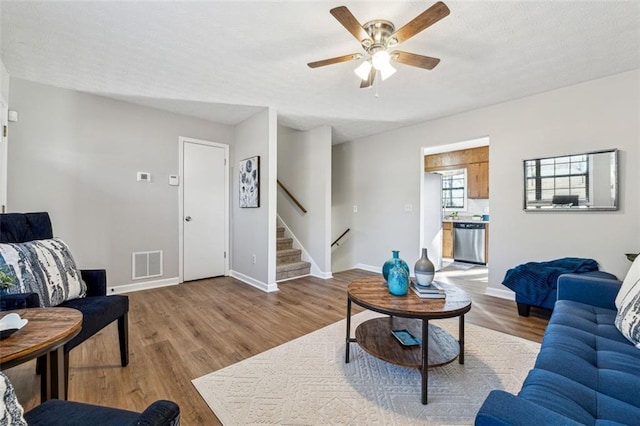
4	161
437	149
181	142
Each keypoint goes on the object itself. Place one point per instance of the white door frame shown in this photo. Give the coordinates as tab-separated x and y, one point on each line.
181	141
4	161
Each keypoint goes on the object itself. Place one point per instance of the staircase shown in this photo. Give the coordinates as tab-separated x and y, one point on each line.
289	263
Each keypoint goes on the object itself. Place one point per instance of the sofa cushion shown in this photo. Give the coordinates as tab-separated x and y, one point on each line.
45	267
586	369
97	313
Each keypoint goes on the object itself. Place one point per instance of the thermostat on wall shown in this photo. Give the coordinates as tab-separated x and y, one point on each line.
144	177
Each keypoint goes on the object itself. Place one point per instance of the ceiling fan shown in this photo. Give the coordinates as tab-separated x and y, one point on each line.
379	35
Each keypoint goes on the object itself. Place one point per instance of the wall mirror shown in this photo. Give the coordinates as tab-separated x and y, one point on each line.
577	182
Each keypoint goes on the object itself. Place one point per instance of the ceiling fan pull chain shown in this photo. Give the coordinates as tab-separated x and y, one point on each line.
376	84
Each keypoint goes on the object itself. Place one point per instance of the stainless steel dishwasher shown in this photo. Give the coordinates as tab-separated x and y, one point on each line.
468	242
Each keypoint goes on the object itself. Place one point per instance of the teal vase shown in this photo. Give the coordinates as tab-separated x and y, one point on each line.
389	264
398	280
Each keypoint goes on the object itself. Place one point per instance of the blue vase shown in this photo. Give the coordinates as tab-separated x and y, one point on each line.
398	280
389	264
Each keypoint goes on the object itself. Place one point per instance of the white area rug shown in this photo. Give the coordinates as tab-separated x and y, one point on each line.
306	382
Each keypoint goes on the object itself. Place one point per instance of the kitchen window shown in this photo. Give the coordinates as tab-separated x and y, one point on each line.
454	189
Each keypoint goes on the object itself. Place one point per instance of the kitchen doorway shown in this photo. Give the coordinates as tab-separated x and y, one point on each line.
462	197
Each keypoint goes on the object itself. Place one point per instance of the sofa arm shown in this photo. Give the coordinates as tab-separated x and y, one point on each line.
502	408
594	291
96	280
160	413
10	302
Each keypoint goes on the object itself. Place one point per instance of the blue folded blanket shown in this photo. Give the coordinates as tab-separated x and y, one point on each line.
536	280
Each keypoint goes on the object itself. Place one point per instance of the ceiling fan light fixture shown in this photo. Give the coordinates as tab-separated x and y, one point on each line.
387	71
363	70
380	60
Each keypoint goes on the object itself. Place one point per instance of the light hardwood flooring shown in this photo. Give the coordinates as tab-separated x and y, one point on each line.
182	332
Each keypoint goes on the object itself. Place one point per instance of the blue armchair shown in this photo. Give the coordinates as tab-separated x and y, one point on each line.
65	413
98	309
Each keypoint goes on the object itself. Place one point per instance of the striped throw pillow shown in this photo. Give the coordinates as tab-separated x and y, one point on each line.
45	267
628	317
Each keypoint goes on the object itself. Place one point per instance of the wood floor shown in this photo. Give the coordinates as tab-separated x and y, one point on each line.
182	332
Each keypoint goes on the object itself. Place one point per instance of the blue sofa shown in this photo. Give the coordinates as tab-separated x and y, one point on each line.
586	371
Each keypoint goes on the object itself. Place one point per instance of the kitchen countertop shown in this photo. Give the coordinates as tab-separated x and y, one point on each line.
465	220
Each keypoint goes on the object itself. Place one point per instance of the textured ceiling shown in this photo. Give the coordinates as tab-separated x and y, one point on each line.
223	61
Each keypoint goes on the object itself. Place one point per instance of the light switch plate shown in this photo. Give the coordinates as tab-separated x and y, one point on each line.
144	177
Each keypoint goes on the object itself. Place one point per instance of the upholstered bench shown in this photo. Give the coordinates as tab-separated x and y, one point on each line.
535	283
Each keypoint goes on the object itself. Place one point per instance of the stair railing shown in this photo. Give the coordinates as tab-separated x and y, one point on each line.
340	237
295	201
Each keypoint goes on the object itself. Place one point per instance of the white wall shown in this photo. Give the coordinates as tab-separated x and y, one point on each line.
254	229
304	167
382	175
76	155
4	82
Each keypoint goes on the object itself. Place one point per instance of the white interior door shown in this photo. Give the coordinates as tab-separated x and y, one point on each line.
204	210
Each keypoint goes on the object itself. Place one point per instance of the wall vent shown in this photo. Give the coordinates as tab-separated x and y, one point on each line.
146	264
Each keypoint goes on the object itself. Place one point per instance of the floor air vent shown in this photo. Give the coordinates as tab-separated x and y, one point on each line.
147	264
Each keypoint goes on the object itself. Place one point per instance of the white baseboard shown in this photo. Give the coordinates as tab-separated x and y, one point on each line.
323	275
498	292
146	285
268	288
369	268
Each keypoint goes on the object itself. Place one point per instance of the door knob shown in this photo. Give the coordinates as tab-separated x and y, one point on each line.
188	218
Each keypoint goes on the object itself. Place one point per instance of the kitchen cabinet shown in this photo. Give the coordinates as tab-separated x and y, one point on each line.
447	239
478	180
447	160
475	160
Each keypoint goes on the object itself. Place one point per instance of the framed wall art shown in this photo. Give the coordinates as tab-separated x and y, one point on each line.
250	182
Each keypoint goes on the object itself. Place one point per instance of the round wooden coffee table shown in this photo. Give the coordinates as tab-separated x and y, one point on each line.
45	334
407	312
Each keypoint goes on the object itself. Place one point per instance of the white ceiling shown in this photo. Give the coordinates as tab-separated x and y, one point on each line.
225	60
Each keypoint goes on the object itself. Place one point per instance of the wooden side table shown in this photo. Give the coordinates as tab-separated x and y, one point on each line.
45	334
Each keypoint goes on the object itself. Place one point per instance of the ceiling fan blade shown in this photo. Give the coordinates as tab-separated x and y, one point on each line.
336	60
369	81
414	60
346	18
421	22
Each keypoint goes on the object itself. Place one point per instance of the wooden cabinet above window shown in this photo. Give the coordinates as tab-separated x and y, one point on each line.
478	180
475	160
